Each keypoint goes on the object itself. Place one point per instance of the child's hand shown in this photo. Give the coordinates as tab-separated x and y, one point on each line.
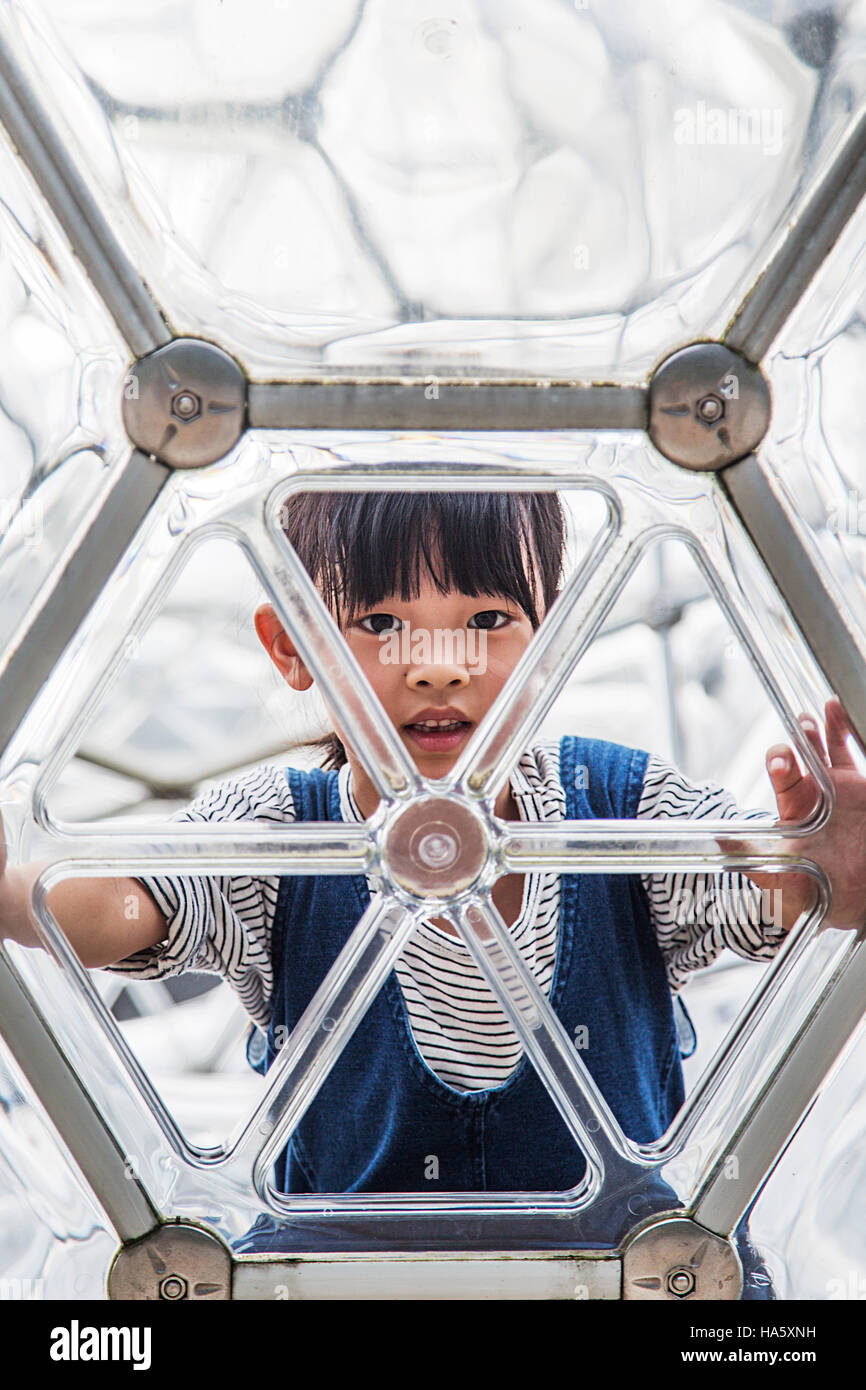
840	846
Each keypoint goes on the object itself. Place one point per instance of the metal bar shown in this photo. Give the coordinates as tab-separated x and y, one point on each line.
310	847
433	403
676	732
777	1110
321	1033
605	847
699	1123
90	1001
783	280
545	666
462	1275
119	285
77	587
322	647
320	469
121	614
760	639
78	1121
581	1104
820	613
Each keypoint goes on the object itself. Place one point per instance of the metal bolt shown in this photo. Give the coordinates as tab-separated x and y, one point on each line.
680	1282
711	409
186	382
186	405
675	1257
436	850
172	1287
693	420
149	1267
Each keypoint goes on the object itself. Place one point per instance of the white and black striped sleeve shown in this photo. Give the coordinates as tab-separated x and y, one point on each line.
698	915
221	924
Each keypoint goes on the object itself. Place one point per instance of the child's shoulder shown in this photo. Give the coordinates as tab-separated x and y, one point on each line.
314	792
262	791
603	778
603	747
572	749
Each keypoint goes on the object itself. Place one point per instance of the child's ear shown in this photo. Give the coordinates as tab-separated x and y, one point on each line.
280	648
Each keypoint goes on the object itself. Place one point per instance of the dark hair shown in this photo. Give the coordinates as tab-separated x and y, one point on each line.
359	547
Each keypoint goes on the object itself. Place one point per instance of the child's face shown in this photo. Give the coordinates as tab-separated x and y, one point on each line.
438	657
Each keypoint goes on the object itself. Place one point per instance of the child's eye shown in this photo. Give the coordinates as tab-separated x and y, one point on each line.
380	622
489	619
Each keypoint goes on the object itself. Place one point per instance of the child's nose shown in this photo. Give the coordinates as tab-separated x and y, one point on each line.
438	676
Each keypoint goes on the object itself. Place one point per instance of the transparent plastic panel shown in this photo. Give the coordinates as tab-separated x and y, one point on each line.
189	1034
56	1243
668	673
815	446
803	1218
61	440
195	697
559	191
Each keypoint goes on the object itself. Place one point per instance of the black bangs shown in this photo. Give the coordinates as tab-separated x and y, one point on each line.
360	546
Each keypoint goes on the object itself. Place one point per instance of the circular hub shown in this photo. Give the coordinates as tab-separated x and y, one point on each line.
185	403
176	1261
676	1260
435	848
709	406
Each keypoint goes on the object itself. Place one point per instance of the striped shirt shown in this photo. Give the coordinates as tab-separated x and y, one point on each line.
223	925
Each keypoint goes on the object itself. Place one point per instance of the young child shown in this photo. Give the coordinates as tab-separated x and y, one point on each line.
435	1068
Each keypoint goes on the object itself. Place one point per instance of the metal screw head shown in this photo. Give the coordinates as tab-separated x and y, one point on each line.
675	1257
708	406
711	408
173	1286
174	1261
186	405
680	1281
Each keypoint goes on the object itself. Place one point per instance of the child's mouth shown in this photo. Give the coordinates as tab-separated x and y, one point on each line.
438	735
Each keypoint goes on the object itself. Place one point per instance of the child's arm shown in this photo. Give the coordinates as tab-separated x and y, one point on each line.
839	848
216	924
93	912
699	915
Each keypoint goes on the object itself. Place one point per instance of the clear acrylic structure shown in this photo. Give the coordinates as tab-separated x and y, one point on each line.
464	299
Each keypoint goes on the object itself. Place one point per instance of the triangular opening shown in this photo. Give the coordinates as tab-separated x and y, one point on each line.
668	674
193	709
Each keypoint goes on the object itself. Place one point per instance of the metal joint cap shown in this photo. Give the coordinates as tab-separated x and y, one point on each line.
185	403
708	406
435	848
176	1261
676	1259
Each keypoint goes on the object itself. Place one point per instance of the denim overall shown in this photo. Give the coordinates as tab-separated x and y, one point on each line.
382	1113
